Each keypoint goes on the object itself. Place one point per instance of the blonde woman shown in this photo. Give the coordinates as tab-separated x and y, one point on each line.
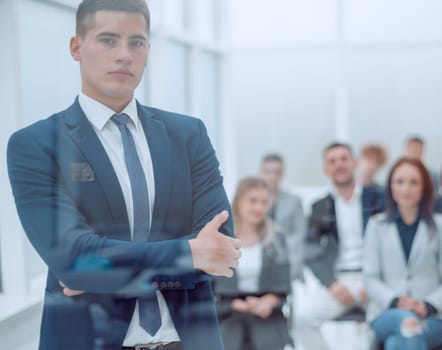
249	304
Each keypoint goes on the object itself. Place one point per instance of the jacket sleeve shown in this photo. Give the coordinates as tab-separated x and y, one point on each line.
87	260
296	239
320	248
377	290
209	197
79	257
435	298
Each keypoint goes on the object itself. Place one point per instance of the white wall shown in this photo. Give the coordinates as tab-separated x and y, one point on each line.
306	72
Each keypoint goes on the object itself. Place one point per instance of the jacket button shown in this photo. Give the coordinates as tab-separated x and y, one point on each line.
163	284
177	284
170	284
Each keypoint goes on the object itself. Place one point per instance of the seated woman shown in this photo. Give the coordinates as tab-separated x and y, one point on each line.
403	263
249	304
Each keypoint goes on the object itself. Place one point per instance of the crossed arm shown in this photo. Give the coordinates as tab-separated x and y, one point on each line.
84	259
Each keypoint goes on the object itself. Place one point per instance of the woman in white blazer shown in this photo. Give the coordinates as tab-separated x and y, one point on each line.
403	263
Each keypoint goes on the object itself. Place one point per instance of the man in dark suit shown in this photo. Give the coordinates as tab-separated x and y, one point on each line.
334	246
286	211
123	202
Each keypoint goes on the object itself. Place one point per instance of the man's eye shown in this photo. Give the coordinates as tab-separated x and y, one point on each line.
108	41
137	43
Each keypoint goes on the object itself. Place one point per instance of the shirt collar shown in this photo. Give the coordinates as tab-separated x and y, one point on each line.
99	114
357	192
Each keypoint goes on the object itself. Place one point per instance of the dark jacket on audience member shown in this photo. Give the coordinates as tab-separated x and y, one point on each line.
270	333
322	232
438	205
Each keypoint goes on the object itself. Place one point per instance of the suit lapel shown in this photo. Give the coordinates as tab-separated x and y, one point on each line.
331	215
159	147
418	242
395	245
84	137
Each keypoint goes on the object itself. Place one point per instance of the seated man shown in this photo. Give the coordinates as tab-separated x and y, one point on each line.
286	210
334	246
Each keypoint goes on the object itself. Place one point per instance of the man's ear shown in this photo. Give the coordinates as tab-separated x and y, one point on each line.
74	46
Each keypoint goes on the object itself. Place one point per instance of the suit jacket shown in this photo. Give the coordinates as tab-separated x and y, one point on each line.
274	278
388	275
322	232
72	209
438	205
289	216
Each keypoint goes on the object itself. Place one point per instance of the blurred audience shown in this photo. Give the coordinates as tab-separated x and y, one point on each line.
373	157
250	304
415	148
334	247
403	262
438	205
286	210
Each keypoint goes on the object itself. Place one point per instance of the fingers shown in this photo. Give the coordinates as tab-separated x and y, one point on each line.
218	220
71	293
236	243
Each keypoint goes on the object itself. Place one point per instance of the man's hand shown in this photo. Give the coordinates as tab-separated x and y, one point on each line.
240	305
363	297
262	306
70	292
214	252
341	293
406	303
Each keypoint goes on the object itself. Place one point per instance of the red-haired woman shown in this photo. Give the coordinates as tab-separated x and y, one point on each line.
403	263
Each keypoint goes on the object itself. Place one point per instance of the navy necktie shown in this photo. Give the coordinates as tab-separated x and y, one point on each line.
149	312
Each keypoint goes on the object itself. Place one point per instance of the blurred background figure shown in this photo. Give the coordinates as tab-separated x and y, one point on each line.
250	303
415	148
334	241
402	263
373	157
285	210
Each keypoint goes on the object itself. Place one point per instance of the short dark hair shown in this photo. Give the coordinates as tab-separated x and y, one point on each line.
416	138
335	144
88	8
272	157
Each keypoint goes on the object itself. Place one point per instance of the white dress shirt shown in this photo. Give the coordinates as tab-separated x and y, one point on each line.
350	228
249	268
110	137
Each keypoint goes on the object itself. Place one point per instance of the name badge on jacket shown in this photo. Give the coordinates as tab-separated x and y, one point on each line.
82	172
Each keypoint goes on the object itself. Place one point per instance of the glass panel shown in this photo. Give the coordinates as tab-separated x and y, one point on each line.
400	91
49	77
284	102
282	22
207	92
205	20
176	14
393	20
167	76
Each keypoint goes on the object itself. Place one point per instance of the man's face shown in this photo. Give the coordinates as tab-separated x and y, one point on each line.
339	165
112	54
271	173
415	150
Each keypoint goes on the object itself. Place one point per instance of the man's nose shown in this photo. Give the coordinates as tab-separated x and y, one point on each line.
123	52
